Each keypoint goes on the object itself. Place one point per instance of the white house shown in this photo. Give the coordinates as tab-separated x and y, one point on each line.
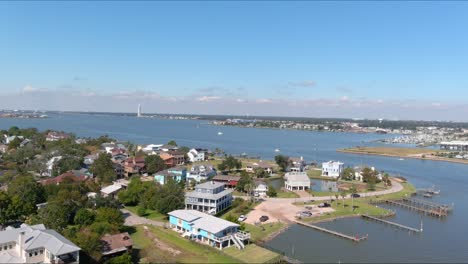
261	189
115	188
296	181
196	154
332	169
358	174
201	172
50	165
36	244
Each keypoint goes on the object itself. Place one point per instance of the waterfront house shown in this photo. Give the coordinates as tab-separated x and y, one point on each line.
201	172
454	145
296	164
296	181
150	148
252	166
166	148
36	244
358	173
207	229
9	139
109	147
172	159
178	174
134	165
209	197
332	169
229	181
115	245
56	136
261	189
197	154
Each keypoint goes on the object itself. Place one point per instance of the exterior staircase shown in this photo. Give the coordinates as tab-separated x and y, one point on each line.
237	242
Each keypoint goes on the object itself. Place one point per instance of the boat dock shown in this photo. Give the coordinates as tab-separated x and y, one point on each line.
423	206
393	223
352	238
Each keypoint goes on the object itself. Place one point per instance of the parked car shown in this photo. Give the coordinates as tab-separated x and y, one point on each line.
322	205
306	214
241	218
264	218
355	195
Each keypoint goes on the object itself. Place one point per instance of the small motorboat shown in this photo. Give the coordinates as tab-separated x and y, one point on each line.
277	150
220	133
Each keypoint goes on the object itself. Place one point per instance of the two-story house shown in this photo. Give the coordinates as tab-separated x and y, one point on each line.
178	174
209	197
207	229
332	169
36	244
201	172
197	154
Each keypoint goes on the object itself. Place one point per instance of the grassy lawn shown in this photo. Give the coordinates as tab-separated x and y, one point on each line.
317	174
253	254
286	194
150	214
362	205
159	245
259	232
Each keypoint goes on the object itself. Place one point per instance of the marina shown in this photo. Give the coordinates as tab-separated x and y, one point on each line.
422	206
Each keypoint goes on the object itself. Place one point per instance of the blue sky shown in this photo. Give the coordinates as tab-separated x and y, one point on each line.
350	59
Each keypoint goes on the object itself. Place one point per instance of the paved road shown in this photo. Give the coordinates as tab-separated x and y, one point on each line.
132	219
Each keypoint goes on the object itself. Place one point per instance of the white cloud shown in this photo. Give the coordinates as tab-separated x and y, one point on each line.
264	101
30	89
208	98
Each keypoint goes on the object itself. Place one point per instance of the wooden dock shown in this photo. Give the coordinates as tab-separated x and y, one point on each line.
335	233
426	207
393	224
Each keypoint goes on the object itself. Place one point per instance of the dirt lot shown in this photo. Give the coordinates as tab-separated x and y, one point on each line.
283	211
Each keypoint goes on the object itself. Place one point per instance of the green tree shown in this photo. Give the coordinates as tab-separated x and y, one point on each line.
89	242
103	168
25	193
15	143
55	216
103	228
131	196
122	259
243	181
260	173
6	215
154	163
67	163
348	174
109	215
172	143
271	191
230	163
84	217
282	161
343	196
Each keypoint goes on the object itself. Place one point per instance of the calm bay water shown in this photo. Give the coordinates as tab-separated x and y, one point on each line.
442	240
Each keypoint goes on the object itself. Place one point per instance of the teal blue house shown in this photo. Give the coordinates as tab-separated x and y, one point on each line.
177	174
207	229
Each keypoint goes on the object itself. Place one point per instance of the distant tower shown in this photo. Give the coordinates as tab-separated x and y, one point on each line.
139	110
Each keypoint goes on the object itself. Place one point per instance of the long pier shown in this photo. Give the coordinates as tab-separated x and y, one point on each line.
417	205
338	234
393	223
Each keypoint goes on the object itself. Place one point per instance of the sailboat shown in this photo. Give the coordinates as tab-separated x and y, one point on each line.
220	133
277	150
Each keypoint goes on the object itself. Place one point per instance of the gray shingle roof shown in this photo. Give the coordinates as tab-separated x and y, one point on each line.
215	196
209	185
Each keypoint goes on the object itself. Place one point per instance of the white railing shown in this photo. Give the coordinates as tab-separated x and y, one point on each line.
243	235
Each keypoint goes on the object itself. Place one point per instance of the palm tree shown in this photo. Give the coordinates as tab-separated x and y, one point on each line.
336	196
343	195
353	191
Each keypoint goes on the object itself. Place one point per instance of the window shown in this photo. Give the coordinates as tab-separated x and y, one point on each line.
5	247
41	251
10	246
30	254
35	253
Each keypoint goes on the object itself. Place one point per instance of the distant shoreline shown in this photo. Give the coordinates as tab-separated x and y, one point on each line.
427	157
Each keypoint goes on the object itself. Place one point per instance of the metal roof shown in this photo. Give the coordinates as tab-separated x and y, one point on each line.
203	221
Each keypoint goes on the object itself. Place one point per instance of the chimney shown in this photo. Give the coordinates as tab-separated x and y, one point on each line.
21	244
